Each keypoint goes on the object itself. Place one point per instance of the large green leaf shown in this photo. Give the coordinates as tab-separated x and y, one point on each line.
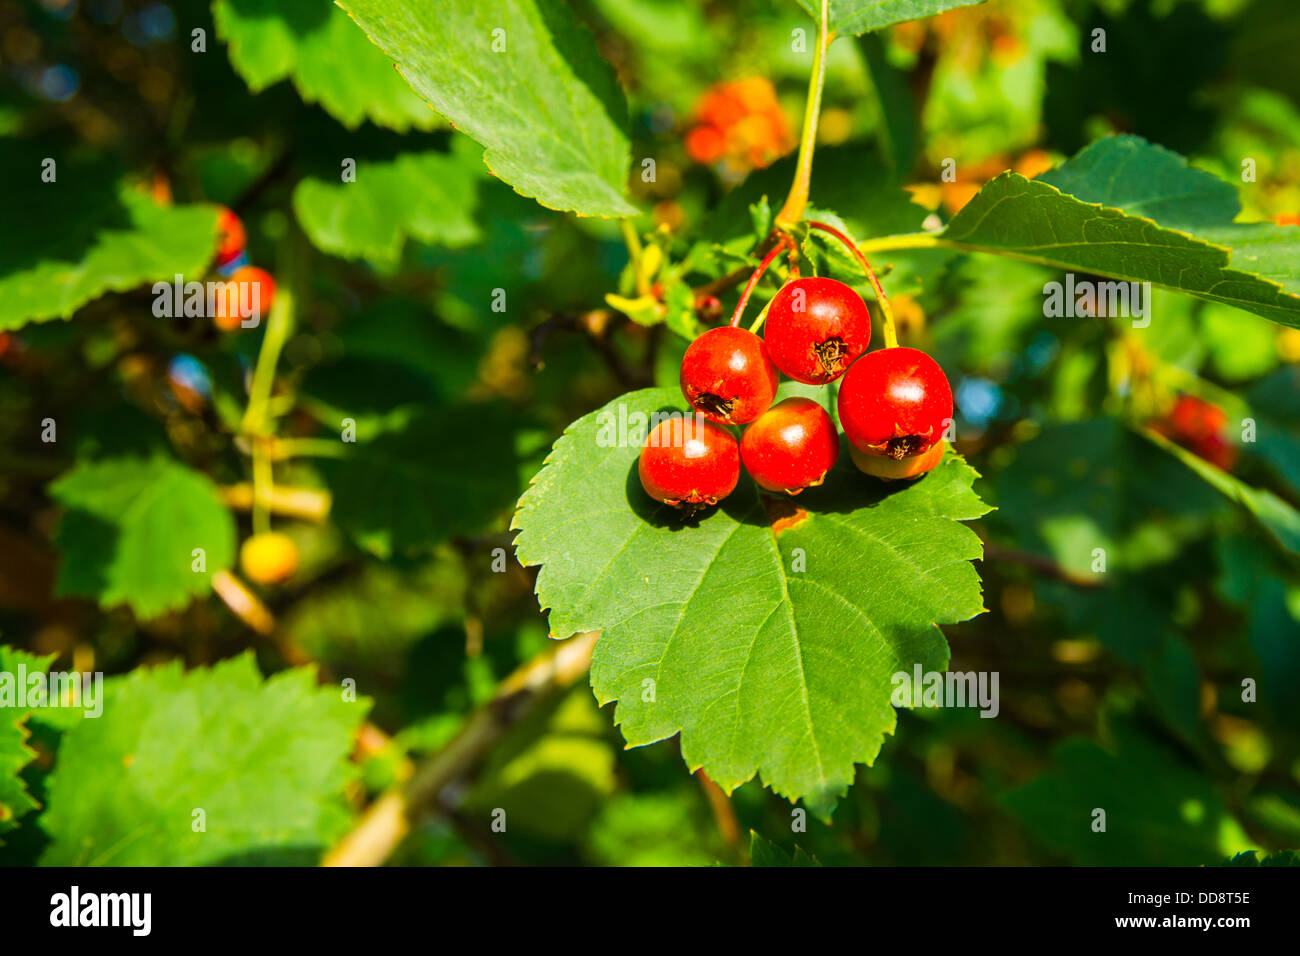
327	57
427	196
1129	210
78	237
546	106
861	16
265	760
14	752
129	532
761	665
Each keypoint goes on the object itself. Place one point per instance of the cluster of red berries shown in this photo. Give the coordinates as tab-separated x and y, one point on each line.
1200	427
894	404
244	282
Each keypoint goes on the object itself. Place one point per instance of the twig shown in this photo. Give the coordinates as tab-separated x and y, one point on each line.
390	818
723	813
1041	564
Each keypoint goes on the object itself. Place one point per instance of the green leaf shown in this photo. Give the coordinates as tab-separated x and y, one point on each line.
547	108
426	196
1130	210
860	16
714	629
329	60
763	852
1159	810
265	760
129	532
449	470
80	240
1276	516
14	752
1253	858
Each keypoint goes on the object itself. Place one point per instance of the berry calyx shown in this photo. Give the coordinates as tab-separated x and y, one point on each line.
230	237
892	469
815	328
791	447
689	462
895	403
269	558
727	376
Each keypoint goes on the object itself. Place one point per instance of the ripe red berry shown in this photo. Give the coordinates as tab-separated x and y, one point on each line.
791	446
230	237
251	289
689	462
1201	427
895	403
727	376
816	327
891	469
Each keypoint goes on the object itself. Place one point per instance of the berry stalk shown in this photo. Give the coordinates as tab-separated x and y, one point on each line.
768	259
890	331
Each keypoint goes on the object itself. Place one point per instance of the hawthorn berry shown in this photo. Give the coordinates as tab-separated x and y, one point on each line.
269	558
891	469
895	403
791	447
248	286
230	237
1199	426
689	462
815	328
727	376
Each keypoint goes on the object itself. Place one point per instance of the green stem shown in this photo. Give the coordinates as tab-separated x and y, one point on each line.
792	212
912	240
279	326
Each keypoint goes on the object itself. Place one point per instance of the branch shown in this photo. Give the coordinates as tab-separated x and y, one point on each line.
391	817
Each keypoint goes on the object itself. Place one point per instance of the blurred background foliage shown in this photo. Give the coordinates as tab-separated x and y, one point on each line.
1136	683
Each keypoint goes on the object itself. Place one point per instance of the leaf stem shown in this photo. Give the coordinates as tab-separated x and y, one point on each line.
792	212
887	323
758	274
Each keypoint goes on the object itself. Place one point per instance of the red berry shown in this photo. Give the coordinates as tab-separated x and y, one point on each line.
891	469
230	237
1199	425
895	403
816	327
727	376
688	461
791	446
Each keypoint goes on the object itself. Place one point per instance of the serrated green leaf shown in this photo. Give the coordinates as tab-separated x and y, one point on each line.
14	752
523	78
761	667
852	17
265	760
447	471
763	852
1253	858
1130	210
328	59
79	237
130	529
426	196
